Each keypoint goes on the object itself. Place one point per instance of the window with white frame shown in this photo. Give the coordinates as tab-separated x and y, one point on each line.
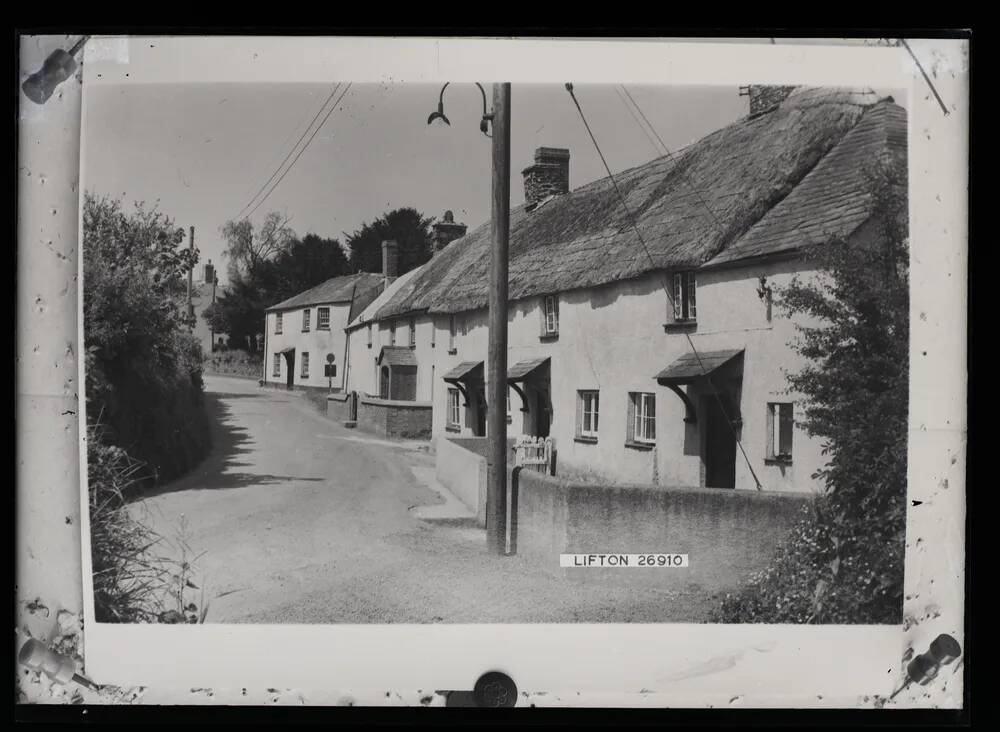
454	411
550	315
779	431
277	322
413	333
305	320
277	365
322	318
642	417
588	402
392	334
305	366
684	300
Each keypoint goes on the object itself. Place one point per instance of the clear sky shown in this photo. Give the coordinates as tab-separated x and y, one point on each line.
203	150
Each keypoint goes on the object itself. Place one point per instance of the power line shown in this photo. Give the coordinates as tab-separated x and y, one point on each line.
672	157
638	122
287	156
304	147
701	364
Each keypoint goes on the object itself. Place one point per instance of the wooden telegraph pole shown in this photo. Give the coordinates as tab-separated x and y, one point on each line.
496	490
190	311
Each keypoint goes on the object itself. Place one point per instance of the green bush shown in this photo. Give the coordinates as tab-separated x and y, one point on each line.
143	365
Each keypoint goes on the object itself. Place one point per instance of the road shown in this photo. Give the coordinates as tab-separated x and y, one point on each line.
299	520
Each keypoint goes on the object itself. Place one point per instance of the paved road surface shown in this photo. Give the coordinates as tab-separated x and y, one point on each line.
304	521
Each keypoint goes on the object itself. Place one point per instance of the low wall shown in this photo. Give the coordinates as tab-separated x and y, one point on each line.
390	418
338	407
726	534
463	472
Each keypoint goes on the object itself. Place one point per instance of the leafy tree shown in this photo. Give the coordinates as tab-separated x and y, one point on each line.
407	226
143	365
301	264
844	562
248	248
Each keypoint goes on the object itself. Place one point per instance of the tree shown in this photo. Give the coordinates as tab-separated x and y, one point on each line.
844	563
301	264
247	248
407	226
143	365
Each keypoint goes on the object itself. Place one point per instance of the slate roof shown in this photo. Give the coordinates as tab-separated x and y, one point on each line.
368	314
463	370
690	207
397	356
358	289
691	366
523	369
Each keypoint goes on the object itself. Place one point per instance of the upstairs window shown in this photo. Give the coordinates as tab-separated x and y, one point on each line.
305	320
392	334
277	322
451	332
641	418
323	319
779	431
550	315
685	303
369	335
305	366
413	333
588	408
277	365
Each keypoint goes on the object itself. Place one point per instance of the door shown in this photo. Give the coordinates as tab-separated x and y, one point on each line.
481	411
720	442
290	363
541	415
383	384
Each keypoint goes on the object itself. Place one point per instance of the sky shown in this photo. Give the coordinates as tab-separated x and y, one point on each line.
201	151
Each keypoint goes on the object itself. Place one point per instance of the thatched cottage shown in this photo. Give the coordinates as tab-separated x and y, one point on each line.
302	333
650	360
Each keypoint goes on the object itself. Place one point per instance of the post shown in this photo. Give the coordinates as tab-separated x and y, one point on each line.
191	278
496	488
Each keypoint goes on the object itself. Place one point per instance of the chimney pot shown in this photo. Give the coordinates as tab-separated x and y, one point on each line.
549	176
446	231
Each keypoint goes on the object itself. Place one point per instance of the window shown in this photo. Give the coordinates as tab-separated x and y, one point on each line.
779	431
642	417
454	415
550	315
588	403
305	320
277	322
323	319
305	366
392	334
277	365
451	333
685	306
369	335
413	333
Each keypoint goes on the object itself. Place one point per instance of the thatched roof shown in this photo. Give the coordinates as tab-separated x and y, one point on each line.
585	238
358	289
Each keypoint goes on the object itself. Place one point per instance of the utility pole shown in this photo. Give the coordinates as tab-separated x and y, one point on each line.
191	279
496	488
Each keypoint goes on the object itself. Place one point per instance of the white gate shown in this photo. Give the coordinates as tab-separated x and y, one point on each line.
534	453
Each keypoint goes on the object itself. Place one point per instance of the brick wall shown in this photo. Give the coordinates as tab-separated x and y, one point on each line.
388	418
338	407
549	176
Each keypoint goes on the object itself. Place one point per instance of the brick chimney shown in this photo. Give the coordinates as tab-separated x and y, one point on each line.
765	98
549	176
390	261
446	231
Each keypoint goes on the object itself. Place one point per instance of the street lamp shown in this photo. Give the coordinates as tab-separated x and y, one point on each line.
440	115
496	463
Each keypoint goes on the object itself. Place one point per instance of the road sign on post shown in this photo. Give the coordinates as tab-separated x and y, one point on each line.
330	369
